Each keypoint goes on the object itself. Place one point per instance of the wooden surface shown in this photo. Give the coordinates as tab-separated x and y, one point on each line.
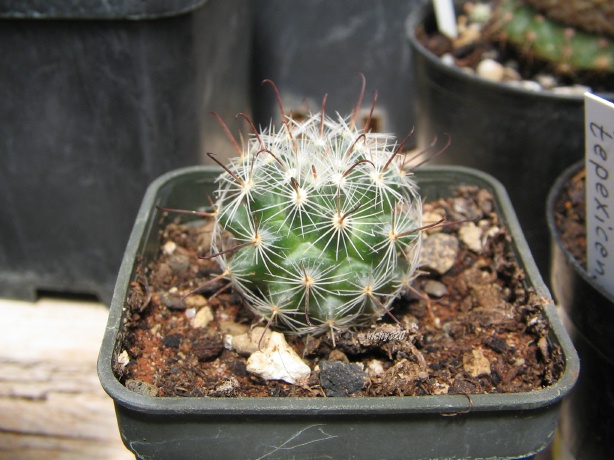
51	403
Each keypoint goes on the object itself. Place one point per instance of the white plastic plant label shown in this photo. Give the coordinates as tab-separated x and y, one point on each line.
599	129
446	17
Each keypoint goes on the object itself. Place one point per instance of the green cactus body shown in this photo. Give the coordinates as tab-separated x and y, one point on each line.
568	49
596	16
317	224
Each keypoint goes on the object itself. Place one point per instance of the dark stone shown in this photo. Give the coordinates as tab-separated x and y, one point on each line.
341	379
172	340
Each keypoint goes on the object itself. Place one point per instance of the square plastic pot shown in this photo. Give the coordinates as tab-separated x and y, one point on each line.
450	426
97	99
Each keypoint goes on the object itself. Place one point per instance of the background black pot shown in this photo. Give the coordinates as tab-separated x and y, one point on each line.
484	425
587	420
524	138
310	48
97	99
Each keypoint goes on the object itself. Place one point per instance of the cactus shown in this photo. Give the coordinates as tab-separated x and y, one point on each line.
595	16
317	223
568	49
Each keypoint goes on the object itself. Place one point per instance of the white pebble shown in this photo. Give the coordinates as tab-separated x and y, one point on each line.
531	85
481	13
490	70
228	339
447	59
246	344
471	235
546	81
476	364
169	247
278	361
375	368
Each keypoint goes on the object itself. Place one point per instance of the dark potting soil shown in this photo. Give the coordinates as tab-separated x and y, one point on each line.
570	216
484	332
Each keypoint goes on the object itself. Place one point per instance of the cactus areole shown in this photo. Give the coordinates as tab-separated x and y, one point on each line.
318	223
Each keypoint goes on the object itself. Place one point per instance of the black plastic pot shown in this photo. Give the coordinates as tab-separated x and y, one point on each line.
524	138
587	421
451	426
97	99
311	47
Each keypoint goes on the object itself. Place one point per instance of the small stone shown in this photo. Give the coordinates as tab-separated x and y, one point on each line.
490	70
432	217
202	318
531	85
226	388
439	252
468	35
278	361
447	59
497	344
476	364
123	359
196	301
485	201
542	344
142	388
246	344
546	81
435	288
471	235
481	13
208	348
172	300
172	340
341	379
169	247
179	263
338	355
511	74
232	328
375	368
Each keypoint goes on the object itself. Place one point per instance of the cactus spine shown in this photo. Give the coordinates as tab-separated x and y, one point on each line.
318	223
569	49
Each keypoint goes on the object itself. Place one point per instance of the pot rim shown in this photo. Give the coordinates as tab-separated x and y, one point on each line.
553	194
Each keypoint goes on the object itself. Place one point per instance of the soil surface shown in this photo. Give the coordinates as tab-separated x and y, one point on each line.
570	216
480	330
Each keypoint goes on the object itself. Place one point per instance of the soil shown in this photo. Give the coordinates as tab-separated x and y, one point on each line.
570	216
485	333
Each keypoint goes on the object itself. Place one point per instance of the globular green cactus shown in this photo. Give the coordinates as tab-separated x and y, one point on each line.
569	49
318	223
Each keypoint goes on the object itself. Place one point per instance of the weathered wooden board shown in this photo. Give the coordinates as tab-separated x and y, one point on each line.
51	403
